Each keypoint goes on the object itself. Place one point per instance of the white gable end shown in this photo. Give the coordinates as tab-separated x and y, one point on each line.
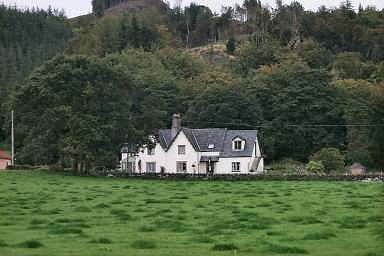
190	156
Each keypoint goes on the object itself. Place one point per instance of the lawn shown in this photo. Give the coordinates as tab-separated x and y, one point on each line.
52	214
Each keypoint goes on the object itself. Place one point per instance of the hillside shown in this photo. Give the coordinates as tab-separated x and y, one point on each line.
107	7
215	53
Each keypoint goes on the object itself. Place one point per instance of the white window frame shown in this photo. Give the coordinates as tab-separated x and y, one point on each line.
235	144
181	149
236	166
184	167
148	168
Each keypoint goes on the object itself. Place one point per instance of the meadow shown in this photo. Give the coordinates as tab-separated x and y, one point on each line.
45	213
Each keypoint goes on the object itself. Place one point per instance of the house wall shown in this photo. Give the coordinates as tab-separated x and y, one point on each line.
4	163
224	166
191	156
169	159
158	158
357	171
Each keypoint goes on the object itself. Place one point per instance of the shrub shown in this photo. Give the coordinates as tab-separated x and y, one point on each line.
231	45
225	247
331	158
315	167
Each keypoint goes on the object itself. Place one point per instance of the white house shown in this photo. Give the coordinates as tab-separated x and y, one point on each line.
197	151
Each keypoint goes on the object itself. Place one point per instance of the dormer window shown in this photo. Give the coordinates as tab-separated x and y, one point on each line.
238	144
211	146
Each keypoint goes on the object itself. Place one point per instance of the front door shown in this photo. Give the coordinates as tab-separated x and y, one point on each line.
210	168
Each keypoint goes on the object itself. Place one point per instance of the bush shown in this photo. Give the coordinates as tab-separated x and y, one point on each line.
285	167
231	45
315	167
331	158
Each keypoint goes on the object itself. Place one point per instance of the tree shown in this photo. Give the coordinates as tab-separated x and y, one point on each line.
255	55
291	97
98	7
315	167
74	111
331	158
231	45
350	65
362	103
315	55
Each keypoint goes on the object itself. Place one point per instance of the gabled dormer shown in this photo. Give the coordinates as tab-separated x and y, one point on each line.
238	144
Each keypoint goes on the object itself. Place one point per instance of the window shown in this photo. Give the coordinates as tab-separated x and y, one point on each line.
211	146
151	151
236	167
181	149
131	167
181	167
238	144
151	167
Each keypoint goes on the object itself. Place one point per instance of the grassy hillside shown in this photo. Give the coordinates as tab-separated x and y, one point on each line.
46	214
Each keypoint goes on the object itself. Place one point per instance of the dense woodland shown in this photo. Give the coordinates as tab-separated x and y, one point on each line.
27	39
307	80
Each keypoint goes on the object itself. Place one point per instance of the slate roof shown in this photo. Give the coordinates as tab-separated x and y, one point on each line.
201	139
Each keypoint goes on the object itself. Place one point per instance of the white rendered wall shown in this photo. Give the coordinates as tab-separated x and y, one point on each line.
158	157
191	156
224	166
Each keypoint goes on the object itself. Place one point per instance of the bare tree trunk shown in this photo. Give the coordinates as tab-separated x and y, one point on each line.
188	34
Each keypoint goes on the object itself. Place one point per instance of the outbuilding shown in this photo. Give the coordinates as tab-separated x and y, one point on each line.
5	160
357	169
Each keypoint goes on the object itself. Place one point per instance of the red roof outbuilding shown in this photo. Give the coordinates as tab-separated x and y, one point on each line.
4	155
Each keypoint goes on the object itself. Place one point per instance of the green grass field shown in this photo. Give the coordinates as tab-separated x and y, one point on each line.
51	214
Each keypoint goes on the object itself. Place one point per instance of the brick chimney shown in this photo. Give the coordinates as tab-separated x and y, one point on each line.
176	124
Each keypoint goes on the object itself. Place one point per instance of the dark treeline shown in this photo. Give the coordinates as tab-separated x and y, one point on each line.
124	75
27	39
